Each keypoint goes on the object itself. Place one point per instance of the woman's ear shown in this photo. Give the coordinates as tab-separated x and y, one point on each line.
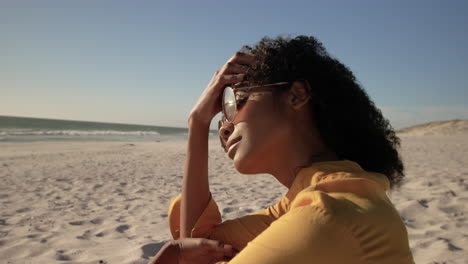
298	95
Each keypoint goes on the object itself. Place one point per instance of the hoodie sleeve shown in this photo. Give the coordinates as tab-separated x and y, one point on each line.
290	240
236	232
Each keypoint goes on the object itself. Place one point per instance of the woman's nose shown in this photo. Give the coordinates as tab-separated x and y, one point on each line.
225	131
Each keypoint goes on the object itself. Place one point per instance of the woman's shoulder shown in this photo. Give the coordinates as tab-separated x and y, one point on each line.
347	206
371	223
347	194
342	188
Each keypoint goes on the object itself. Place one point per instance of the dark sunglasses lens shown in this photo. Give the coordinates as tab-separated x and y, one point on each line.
229	103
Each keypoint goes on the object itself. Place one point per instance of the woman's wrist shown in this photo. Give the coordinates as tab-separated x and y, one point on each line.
195	120
168	254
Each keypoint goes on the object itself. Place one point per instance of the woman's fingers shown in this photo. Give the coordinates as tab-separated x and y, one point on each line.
221	252
235	68
228	251
202	250
211	244
231	67
234	71
238	63
219	248
230	78
243	58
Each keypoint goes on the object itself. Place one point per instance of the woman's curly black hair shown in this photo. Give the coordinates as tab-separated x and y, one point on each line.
347	120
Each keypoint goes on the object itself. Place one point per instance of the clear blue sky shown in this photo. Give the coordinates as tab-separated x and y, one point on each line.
147	62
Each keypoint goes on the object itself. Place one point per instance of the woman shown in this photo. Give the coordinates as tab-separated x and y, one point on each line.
292	111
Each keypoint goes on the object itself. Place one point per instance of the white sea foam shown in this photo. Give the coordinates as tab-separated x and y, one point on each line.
27	132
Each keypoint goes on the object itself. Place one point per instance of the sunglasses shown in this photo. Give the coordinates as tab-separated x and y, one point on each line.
234	97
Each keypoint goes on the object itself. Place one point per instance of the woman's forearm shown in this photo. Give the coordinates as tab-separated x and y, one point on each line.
195	188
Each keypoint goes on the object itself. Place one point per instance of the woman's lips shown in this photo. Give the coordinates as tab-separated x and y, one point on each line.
231	149
231	143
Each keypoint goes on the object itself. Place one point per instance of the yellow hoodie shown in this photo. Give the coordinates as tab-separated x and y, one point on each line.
334	212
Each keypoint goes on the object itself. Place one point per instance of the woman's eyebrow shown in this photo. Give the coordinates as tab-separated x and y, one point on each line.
240	94
242	88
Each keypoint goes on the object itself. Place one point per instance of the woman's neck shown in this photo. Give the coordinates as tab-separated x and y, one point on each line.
300	153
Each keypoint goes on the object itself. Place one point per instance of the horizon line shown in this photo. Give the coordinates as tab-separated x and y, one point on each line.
89	121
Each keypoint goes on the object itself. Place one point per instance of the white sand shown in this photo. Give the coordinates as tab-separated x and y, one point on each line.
433	199
75	202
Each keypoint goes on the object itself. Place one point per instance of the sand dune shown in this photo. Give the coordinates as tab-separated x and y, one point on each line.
106	202
438	128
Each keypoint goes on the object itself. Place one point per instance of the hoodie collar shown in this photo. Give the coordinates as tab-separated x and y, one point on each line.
337	176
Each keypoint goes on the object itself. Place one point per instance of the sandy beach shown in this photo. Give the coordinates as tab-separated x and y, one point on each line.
106	202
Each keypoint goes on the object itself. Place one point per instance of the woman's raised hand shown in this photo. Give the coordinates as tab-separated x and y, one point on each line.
209	103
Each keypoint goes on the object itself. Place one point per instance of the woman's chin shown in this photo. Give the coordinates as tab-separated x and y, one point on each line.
243	164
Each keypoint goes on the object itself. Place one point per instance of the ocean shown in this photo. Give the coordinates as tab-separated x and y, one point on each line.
23	129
